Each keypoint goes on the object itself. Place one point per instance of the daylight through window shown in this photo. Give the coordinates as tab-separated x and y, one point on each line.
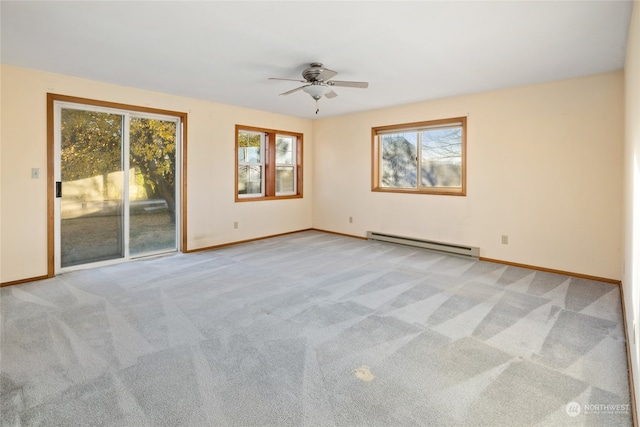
425	158
269	164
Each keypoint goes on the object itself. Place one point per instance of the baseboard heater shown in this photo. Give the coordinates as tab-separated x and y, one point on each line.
450	248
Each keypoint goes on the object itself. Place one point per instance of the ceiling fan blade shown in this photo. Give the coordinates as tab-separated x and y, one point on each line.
289	80
326	74
342	83
331	94
293	90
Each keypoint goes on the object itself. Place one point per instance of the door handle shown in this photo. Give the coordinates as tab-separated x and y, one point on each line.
58	189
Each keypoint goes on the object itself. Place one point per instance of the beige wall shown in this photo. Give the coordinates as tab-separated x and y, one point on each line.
544	168
211	206
631	230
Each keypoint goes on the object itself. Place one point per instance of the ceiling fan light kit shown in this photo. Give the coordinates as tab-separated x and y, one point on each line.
316	91
318	83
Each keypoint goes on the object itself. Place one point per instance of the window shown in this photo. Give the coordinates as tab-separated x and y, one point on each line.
251	163
285	165
423	158
269	164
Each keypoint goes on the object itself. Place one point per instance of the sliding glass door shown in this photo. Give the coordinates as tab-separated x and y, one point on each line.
152	185
116	176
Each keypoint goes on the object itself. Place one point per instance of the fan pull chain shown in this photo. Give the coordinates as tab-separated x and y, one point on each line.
317	106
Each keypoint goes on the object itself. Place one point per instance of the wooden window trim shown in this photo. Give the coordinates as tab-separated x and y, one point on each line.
375	159
270	164
52	98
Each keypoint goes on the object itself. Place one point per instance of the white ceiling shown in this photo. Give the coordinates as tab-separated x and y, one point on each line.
407	51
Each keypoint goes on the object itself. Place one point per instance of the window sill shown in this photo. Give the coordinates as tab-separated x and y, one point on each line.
434	192
262	199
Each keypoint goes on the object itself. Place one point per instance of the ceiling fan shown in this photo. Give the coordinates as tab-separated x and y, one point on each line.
318	82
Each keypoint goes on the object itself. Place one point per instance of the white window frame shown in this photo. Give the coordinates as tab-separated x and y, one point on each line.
250	164
294	161
127	114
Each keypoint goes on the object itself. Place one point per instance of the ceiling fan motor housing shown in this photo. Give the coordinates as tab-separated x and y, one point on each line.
311	74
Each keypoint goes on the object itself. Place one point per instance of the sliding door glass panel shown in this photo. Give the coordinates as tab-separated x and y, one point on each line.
91	206
152	185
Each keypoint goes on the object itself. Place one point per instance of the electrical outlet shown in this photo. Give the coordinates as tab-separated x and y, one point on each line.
505	239
235	224
350	219
35	173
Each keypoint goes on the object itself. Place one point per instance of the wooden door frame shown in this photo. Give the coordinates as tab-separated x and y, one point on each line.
52	98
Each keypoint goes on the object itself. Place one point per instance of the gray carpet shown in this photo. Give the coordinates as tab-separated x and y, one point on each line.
313	329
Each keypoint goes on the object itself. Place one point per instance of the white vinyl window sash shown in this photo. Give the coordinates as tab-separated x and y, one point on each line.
286	165
251	164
